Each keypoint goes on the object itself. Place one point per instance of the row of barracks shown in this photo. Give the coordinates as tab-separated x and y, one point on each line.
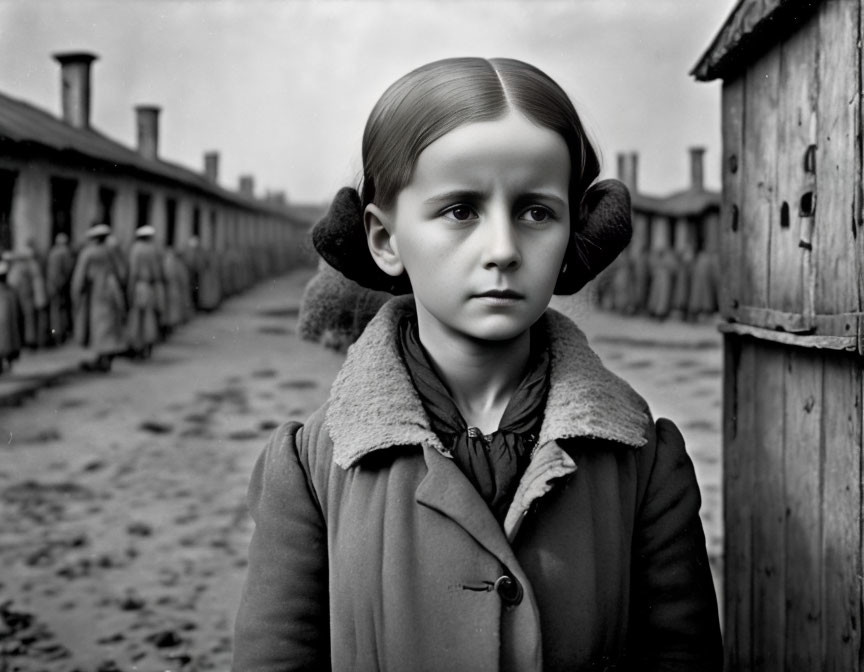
684	221
60	175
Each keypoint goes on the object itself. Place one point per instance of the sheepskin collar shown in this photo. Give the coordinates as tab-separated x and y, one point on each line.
373	403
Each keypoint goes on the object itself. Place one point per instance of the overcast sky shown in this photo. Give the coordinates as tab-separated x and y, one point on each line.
282	88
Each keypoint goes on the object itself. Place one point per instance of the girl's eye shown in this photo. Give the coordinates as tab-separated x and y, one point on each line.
461	213
537	215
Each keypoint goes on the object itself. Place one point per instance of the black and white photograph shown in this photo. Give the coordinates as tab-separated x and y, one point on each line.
482	335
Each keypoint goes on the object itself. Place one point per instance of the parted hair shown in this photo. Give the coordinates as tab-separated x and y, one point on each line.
439	97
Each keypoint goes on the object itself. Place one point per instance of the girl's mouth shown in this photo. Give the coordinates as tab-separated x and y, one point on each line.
501	296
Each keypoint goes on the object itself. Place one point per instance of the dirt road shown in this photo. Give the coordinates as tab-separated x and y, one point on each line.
123	527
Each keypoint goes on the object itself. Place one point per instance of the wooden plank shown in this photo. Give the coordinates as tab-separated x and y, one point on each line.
802	468
760	176
841	511
774	319
732	173
739	391
833	241
859	192
797	130
769	509
798	340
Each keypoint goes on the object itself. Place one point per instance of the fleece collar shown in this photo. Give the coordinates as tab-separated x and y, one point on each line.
373	403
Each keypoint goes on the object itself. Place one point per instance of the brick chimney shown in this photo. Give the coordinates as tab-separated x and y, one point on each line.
628	169
247	185
211	166
75	83
697	172
633	173
147	117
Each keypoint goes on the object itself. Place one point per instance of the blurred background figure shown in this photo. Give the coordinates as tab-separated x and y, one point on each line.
98	301
178	295
146	292
11	321
58	276
25	278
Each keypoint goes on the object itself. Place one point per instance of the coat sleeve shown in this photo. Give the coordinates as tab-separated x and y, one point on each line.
283	620
675	608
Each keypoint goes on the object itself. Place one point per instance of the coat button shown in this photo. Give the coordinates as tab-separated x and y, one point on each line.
509	590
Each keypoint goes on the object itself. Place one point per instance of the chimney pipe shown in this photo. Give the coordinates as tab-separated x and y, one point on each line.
211	166
75	83
247	185
633	173
697	174
148	131
622	166
627	169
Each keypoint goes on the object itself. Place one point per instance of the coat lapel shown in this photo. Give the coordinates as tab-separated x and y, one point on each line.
446	489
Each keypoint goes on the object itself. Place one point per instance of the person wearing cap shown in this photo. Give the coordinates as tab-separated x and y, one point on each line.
178	294
11	321
58	276
98	301
146	292
25	277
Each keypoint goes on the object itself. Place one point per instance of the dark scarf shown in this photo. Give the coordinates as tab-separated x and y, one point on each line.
493	463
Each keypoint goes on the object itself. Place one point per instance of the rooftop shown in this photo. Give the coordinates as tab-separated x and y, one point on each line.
752	27
25	128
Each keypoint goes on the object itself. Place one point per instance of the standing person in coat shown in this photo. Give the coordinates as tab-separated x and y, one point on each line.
178	297
703	297
146	292
58	277
479	492
210	285
98	300
25	278
11	321
663	267
192	258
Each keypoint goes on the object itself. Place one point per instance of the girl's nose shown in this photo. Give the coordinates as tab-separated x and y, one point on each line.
501	245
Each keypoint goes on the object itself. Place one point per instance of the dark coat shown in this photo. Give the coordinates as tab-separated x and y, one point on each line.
58	277
373	551
146	290
97	297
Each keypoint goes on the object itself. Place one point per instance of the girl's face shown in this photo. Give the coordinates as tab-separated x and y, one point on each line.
481	229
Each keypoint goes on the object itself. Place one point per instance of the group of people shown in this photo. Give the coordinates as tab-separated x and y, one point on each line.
662	284
112	302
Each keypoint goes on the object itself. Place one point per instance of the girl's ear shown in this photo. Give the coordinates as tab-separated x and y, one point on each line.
382	241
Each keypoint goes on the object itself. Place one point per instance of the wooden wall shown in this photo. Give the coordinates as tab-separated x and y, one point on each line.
792	501
802	93
793	351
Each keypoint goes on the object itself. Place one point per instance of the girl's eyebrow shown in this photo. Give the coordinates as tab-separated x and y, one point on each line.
542	196
470	195
455	195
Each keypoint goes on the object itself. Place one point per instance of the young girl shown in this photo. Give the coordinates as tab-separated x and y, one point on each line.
479	492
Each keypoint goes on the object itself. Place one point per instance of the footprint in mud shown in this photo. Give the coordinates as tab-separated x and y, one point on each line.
156	427
72	403
244	435
298	384
47	435
637	364
281	311
700	425
683	378
271	330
